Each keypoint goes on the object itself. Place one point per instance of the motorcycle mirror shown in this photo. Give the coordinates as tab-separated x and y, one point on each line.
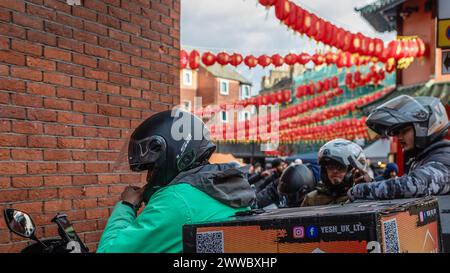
20	223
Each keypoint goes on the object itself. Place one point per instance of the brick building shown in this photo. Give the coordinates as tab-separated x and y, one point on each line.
74	81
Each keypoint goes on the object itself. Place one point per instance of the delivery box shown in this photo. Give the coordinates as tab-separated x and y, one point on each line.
394	226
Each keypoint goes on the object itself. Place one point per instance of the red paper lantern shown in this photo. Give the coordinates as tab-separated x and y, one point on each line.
194	59
236	59
300	20
277	60
365	46
312	30
371	49
307	21
287	95
357	77
422	47
392	48
290	59
326	84
184	59
280	97
267	3
319	87
208	58
348	39
303	58
357	41
321	30
223	58
264	60
291	19
318	59
330	58
334	82
379	47
251	61
282	9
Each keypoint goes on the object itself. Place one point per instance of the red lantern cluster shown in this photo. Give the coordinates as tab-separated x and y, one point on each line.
307	23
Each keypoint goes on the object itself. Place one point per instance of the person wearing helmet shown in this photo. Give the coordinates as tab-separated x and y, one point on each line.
296	182
338	159
420	124
182	187
266	185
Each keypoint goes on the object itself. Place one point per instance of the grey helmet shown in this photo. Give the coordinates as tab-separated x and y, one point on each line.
426	114
346	153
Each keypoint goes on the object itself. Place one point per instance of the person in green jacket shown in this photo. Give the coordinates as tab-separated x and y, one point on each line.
182	187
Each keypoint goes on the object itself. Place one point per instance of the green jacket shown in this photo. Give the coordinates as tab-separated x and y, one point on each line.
159	227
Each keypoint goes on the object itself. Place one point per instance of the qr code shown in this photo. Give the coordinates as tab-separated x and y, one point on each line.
210	242
391	243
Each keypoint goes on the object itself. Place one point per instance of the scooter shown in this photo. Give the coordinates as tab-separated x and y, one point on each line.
21	224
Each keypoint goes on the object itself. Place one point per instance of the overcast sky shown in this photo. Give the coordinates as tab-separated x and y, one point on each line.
246	27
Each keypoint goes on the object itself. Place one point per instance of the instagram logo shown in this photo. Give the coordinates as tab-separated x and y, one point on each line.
299	232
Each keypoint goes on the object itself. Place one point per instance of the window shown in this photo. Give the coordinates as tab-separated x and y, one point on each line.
187	77
187	105
245	92
224	116
224	86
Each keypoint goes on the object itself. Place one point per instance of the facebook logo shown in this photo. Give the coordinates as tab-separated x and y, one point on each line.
312	232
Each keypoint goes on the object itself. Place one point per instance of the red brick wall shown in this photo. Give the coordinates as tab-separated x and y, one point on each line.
73	82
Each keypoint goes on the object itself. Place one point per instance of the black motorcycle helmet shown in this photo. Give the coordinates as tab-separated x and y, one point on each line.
296	182
426	114
167	144
341	152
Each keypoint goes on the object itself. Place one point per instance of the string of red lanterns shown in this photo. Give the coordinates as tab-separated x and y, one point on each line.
309	24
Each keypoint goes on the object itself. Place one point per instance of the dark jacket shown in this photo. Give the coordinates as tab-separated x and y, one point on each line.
429	174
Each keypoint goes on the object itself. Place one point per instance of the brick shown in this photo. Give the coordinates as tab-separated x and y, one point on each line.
28	155
70	69
51	103
108	88
10	140
85	203
130	92
97	213
130	113
70	167
70	143
84	13
120	36
57	54
5	15
26	47
41	11
27	181
119	79
96	144
130	49
158	107
96	121
59	180
151	75
85	37
109	110
96	74
12	85
84	84
25	73
140	84
107	201
58	29
41	142
41	89
57	130
27	127
76	215
56	78
41	114
133	29
93	236
119	13
11	57
41	168
41	37
119	57
96	28
69	20
151	35
107	156
70	192
109	66
130	70
119	123
57	5
139	62
109	43
84	156
70	44
96	168
84	131
13	195
4	98
57	206
116	189
85	226
12	31
4	70
13	4
95	51
70	118
108	133
120	101
27	21
85	60
57	155
96	191
30	207
69	93
96	97
40	63
85	107
85	180
109	21
108	179
42	194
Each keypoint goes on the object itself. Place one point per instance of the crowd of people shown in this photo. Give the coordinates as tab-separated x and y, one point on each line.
183	188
